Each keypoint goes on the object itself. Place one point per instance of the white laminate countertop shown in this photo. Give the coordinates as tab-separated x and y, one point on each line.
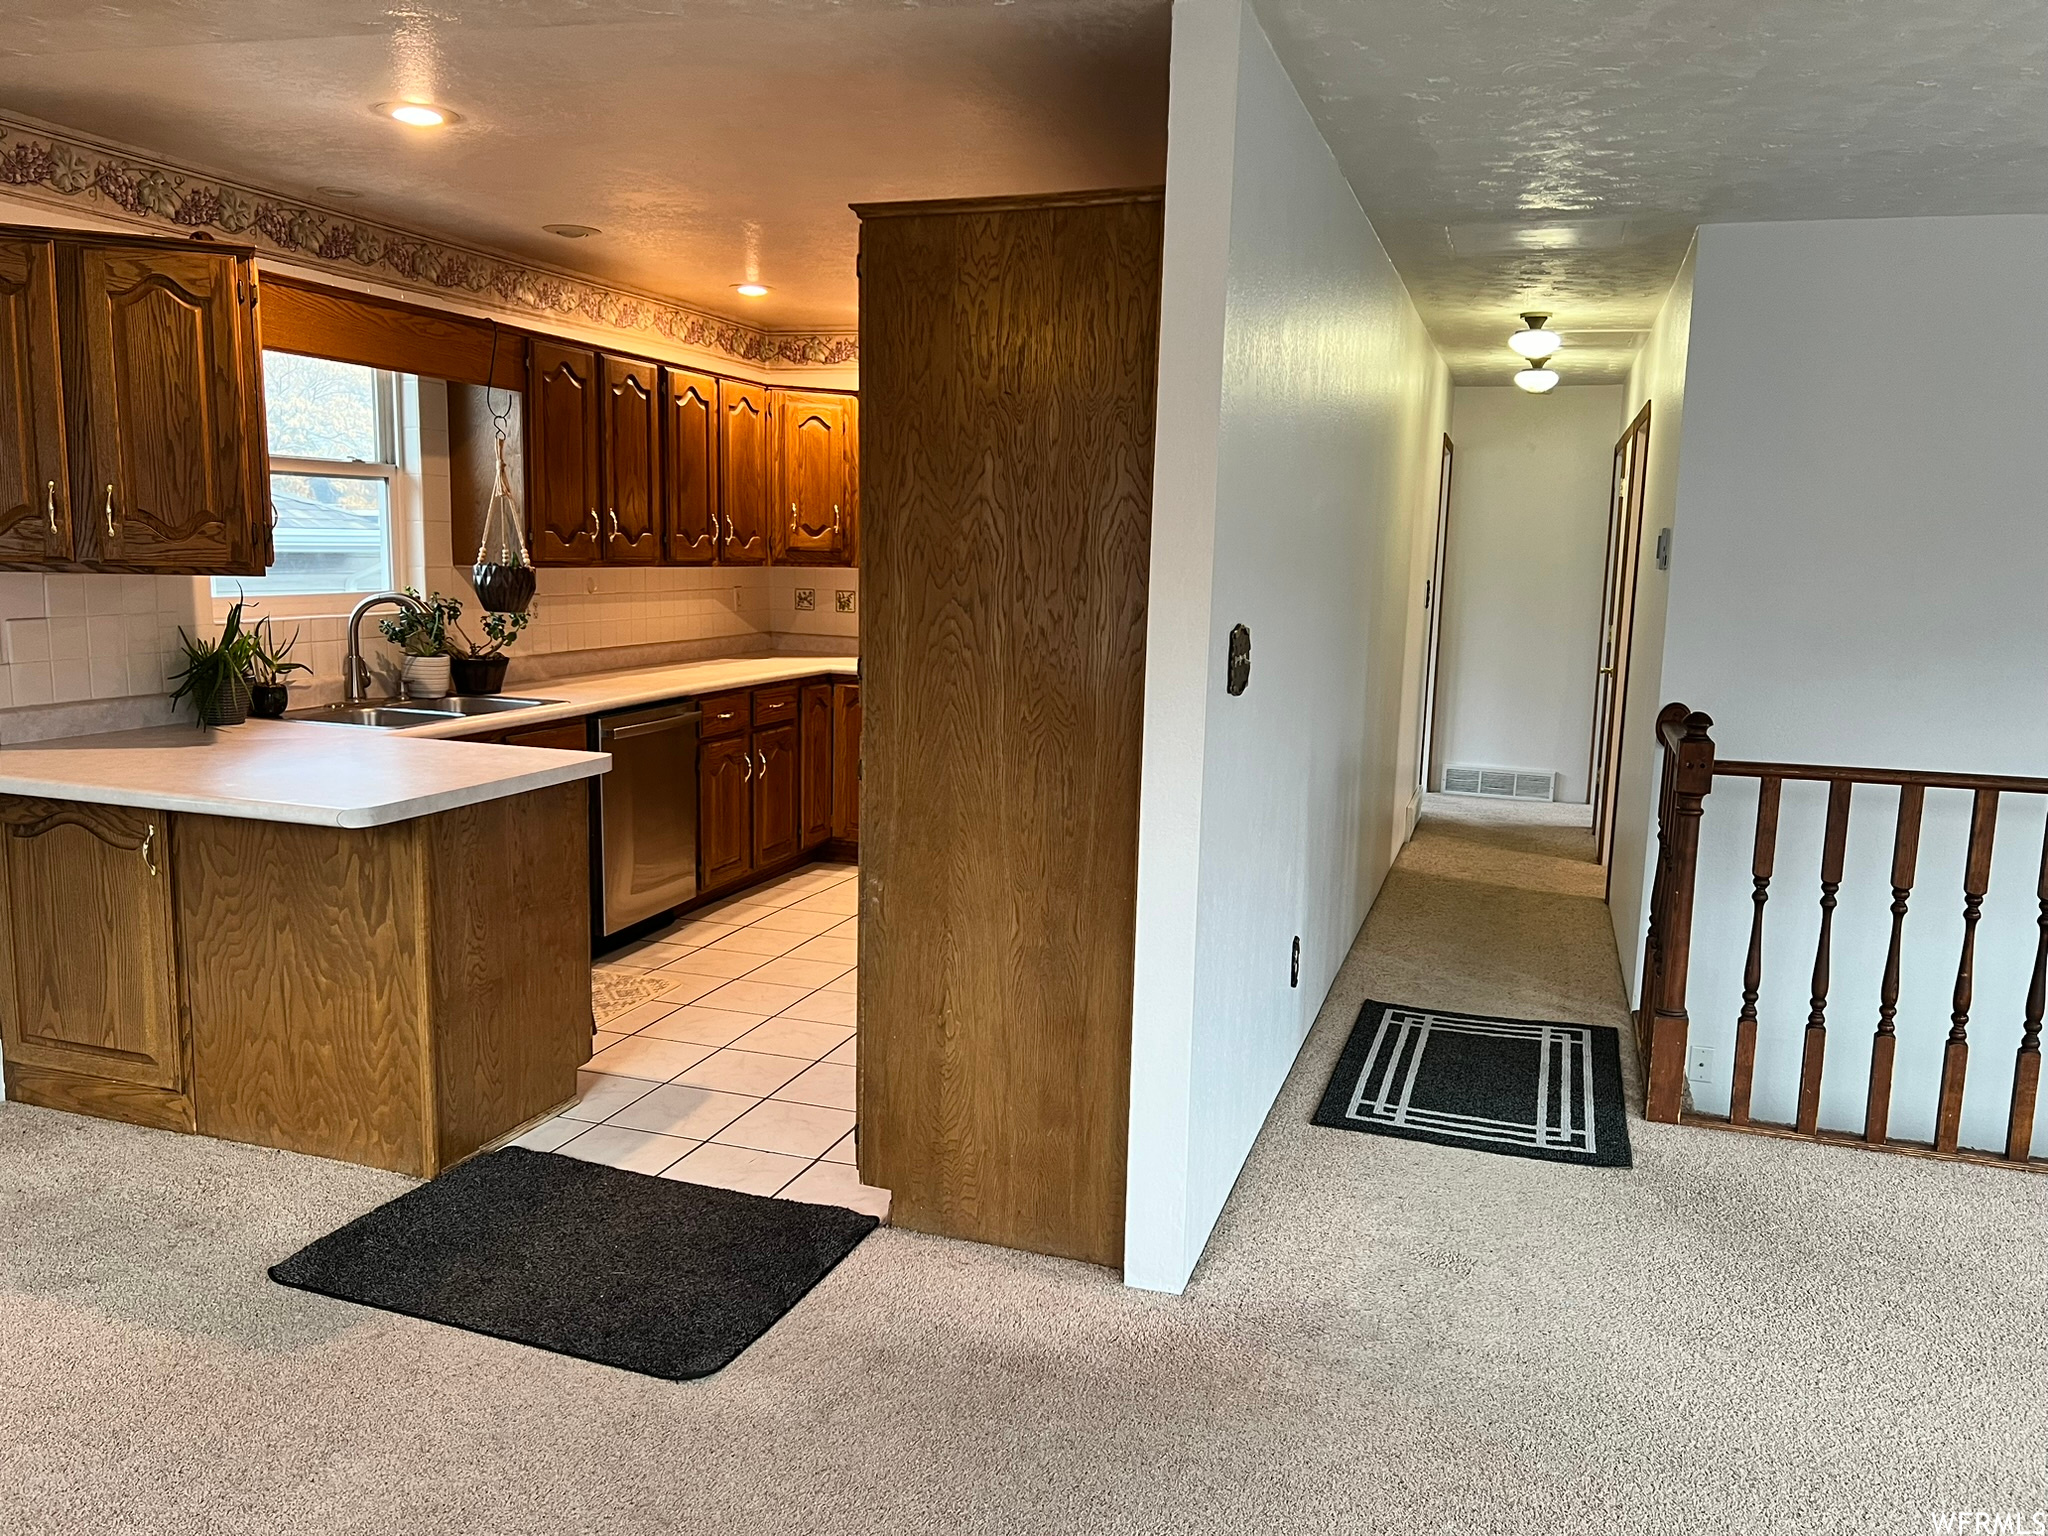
285	770
363	776
574	697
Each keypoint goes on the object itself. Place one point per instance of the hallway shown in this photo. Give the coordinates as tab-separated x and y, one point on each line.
1733	1335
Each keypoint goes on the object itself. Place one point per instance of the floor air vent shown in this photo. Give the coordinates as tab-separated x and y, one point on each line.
1500	783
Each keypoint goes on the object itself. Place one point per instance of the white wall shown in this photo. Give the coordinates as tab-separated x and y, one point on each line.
1861	577
1658	380
1300	408
1526	555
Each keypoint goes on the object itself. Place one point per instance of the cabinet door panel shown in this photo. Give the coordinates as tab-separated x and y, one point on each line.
813	510
690	459
725	774
173	426
846	762
35	485
562	453
777	822
816	721
632	462
746	463
91	980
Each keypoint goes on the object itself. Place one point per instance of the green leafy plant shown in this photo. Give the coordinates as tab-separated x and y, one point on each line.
268	660
216	669
500	630
424	633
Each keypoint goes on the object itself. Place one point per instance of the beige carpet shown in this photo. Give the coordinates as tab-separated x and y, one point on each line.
1734	1336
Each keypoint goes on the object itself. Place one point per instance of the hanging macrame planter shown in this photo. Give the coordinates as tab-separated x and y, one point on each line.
503	572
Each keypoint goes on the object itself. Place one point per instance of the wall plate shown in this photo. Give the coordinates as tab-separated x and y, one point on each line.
806	599
842	600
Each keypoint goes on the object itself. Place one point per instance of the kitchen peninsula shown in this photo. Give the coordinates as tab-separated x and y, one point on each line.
339	942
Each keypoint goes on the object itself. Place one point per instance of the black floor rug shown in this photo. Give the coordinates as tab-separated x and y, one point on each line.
650	1275
1517	1086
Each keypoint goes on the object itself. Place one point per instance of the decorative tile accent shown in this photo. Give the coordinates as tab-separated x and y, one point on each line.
67	169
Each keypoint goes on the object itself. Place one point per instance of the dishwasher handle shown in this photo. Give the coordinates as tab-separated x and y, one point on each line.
650	727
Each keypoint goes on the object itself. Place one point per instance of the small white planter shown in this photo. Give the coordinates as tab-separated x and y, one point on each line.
425	677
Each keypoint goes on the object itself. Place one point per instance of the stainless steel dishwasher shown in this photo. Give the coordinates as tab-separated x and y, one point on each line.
647	813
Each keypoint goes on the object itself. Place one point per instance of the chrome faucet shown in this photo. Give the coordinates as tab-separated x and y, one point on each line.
355	684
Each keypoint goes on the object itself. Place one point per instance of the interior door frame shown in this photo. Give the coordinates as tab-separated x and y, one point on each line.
1433	607
1617	626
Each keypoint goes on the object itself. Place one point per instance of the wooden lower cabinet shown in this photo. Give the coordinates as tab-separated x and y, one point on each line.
815	721
725	812
846	762
89	998
778	828
393	996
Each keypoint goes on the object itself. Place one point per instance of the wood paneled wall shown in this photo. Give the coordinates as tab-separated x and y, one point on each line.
1009	356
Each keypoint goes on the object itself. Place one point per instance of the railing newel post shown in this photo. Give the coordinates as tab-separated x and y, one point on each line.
1688	779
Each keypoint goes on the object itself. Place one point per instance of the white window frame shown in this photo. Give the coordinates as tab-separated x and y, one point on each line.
398	413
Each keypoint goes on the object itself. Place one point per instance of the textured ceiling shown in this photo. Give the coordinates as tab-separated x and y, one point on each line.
1555	154
710	140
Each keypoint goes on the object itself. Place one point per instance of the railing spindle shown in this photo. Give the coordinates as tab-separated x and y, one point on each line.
1877	1112
1761	861
1813	1059
1955	1056
2026	1067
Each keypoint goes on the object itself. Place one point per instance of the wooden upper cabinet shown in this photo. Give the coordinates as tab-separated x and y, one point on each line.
631	456
814	512
746	461
90	969
35	480
562	455
171	468
689	403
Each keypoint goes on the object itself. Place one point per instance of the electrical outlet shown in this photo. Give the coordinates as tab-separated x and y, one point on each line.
842	600
806	599
1294	966
1699	1064
590	584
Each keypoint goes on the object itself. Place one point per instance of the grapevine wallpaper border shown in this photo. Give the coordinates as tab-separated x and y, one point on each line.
56	167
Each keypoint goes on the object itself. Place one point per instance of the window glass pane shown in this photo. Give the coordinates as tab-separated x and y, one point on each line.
319	409
333	535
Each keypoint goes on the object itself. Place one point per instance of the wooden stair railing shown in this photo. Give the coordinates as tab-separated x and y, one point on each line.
1689	771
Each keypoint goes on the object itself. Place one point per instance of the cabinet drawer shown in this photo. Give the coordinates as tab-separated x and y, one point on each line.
724	714
772	706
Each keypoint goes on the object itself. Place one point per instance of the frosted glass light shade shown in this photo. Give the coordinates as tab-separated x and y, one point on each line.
1535	343
1538	381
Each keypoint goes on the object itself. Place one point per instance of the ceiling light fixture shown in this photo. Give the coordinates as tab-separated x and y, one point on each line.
1537	341
750	290
571	231
416	114
1537	380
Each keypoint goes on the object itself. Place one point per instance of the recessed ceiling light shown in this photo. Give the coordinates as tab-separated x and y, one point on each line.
416	114
1538	341
1537	381
337	191
750	290
572	231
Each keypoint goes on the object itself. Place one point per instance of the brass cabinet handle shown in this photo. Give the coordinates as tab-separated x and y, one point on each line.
50	505
613	514
762	759
837	526
748	776
149	849
596	528
111	530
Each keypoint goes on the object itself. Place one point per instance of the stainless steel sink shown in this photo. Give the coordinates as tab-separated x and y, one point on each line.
397	716
475	704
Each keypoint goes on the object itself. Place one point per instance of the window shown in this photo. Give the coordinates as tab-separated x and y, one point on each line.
335	479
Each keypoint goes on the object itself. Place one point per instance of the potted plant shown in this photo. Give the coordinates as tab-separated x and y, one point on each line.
268	664
481	668
215	674
422	634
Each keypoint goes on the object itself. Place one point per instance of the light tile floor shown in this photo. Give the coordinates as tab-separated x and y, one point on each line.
741	1073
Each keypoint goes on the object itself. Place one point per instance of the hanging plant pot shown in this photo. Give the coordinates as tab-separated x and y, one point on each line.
267	701
479	674
425	677
503	588
228	705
